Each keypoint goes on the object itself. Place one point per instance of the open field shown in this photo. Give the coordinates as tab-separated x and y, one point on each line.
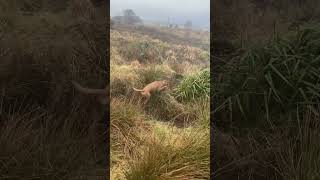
200	39
169	137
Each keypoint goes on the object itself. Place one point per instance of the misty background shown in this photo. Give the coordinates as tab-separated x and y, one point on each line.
162	11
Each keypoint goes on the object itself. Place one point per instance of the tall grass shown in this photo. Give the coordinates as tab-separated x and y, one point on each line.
45	133
39	144
273	80
194	86
172	157
298	158
268	99
126	118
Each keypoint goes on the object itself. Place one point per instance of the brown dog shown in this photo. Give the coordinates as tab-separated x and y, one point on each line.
102	95
152	87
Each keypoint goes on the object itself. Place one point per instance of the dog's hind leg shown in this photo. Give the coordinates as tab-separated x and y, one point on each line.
147	96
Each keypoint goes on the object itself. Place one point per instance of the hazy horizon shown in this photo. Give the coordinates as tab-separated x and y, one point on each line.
178	11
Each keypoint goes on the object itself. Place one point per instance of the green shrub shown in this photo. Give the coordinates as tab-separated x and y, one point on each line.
194	86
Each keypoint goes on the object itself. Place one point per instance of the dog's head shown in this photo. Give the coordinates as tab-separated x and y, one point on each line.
165	82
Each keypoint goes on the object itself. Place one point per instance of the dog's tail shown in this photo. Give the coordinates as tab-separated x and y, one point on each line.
139	90
89	90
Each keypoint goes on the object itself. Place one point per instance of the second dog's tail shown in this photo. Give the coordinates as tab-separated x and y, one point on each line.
139	90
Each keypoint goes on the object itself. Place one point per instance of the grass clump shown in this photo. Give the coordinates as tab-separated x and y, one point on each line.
154	73
268	99
172	154
201	111
194	86
273	80
126	118
167	106
299	157
123	78
34	144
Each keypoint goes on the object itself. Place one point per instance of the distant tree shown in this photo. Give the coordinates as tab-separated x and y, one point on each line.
188	24
129	12
130	17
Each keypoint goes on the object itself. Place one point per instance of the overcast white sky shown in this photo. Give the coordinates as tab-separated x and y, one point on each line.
178	10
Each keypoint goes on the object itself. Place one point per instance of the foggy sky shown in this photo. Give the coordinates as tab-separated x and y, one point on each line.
198	11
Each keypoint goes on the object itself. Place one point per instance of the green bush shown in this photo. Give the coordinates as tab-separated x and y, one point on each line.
194	86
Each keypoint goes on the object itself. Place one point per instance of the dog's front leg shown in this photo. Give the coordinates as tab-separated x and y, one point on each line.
163	88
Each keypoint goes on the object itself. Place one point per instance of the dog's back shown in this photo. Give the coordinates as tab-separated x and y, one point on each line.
155	86
151	87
